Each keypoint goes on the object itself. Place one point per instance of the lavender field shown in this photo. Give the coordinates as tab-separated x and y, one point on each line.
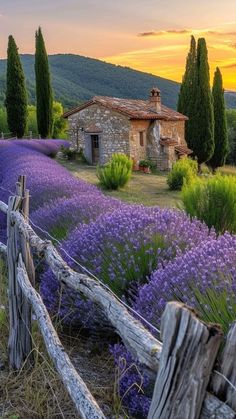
147	256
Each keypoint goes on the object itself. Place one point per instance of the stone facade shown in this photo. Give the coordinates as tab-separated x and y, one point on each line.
112	128
139	129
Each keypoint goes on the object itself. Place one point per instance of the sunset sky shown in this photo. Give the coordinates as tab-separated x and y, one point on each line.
148	35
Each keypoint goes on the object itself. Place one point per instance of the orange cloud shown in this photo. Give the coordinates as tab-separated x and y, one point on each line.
168	32
184	32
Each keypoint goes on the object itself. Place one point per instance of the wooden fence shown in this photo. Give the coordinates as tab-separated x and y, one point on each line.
183	363
9	136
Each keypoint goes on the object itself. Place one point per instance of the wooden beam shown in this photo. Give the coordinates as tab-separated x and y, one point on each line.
227	363
3	207
3	249
189	351
81	396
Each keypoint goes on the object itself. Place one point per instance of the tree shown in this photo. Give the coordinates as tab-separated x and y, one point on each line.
220	129
59	123
203	118
44	97
188	92
231	125
16	95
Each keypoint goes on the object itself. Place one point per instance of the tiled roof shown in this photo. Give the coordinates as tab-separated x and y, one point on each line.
182	149
132	108
168	141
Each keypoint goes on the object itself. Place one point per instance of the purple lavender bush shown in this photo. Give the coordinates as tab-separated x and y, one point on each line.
49	183
123	247
204	278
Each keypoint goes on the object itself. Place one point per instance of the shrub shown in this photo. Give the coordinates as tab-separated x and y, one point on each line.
115	174
212	201
69	153
183	172
145	163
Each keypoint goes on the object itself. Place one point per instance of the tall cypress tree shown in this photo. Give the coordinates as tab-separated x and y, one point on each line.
44	96
16	94
220	129
188	91
203	118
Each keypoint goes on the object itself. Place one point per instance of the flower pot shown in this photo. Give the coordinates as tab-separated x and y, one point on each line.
147	170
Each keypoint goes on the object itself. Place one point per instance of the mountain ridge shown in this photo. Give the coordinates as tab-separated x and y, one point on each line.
76	78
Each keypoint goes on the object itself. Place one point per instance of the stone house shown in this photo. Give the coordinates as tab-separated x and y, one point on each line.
140	129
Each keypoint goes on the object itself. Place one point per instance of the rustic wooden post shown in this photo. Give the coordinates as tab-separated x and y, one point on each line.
189	351
227	361
20	342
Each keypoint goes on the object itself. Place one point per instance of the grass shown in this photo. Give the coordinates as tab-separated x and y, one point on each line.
146	189
228	170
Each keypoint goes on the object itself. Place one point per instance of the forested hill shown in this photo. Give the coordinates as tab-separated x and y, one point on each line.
76	79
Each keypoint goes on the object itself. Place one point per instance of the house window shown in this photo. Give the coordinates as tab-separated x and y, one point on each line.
141	138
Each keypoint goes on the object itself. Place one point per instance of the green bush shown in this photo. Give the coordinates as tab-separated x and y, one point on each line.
212	201
216	306
68	153
183	172
115	174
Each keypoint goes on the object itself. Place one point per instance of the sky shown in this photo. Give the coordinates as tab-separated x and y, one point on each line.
148	35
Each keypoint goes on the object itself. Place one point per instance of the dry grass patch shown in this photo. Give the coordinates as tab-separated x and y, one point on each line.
38	393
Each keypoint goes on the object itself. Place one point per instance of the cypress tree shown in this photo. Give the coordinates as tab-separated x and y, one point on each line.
16	94
44	96
220	129
188	90
203	119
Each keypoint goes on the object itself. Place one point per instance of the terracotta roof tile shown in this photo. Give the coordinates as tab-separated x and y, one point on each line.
168	141
182	149
133	108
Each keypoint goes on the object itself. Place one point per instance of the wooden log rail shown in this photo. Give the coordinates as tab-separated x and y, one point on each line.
183	363
81	396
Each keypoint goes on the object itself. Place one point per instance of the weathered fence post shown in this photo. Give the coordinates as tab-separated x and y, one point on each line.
189	351
20	342
227	362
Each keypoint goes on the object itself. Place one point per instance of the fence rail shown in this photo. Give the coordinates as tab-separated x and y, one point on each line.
183	362
28	136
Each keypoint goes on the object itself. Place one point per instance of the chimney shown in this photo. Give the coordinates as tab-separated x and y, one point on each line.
155	99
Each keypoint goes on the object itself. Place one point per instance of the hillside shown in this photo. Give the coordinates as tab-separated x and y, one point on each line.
76	79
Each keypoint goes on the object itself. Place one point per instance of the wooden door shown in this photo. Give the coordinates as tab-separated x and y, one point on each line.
95	148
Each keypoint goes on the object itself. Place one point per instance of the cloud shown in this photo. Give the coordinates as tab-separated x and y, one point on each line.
167	32
218	33
184	32
232	65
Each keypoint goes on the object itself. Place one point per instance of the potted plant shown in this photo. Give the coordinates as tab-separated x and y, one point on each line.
144	166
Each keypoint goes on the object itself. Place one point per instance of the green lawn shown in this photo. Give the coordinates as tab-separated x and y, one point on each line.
146	189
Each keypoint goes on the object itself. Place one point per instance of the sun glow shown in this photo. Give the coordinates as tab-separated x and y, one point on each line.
163	53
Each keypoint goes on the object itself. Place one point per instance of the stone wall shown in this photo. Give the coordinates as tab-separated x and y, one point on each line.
173	129
113	136
138	151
